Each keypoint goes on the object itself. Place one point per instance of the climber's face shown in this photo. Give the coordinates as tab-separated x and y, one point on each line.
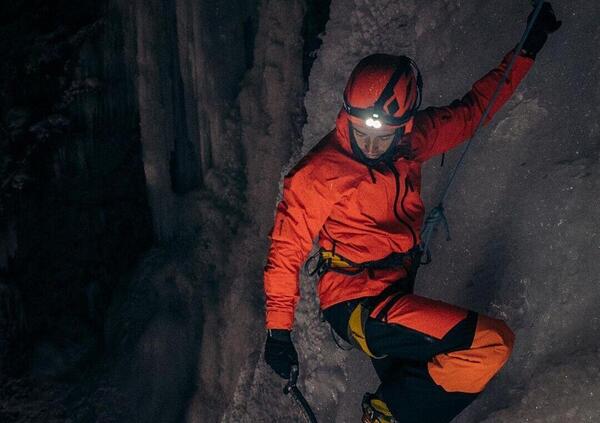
373	142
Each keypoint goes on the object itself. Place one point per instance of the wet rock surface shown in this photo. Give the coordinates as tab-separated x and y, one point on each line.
142	146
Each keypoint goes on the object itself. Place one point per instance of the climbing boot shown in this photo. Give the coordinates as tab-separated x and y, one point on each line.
375	410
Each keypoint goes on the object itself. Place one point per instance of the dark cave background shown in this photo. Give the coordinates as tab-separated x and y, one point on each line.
82	85
141	149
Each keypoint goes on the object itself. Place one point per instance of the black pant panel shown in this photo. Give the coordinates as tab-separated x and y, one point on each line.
412	397
407	388
338	315
408	344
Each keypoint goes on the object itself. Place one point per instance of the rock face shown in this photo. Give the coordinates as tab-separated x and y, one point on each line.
190	59
142	146
523	232
524	235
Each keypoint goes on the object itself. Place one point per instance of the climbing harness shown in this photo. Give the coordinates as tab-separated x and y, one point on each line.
297	397
436	215
331	261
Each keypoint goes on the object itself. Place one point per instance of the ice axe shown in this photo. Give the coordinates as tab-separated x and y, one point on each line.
297	396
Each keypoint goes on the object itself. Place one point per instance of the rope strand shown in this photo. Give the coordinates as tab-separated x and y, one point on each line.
436	215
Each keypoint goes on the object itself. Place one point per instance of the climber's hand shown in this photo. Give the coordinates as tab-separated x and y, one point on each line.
545	24
280	353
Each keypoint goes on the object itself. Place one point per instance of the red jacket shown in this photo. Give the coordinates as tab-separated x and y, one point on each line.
332	195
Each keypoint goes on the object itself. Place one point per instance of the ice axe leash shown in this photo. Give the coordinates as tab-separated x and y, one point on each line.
436	215
297	396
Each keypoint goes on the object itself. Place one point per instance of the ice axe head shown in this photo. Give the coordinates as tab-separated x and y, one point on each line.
294	375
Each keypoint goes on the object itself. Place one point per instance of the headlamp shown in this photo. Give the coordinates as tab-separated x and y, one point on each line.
381	113
373	122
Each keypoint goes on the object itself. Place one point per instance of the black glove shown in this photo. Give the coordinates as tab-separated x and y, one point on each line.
280	353
545	24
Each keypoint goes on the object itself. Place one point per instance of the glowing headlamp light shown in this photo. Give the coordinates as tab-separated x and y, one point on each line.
373	122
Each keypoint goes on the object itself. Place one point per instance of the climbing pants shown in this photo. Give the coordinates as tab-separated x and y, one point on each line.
437	357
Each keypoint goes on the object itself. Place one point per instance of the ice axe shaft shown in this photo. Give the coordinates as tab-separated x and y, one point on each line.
297	396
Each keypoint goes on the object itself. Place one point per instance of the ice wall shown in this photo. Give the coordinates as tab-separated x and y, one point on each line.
121	99
190	58
326	380
270	118
525	234
168	325
523	224
210	94
202	285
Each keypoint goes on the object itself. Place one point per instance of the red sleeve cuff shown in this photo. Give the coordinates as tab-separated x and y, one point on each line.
280	319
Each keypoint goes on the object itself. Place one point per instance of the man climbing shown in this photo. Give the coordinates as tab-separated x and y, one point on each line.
358	191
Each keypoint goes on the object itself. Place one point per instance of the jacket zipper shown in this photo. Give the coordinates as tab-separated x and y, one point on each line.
407	184
397	180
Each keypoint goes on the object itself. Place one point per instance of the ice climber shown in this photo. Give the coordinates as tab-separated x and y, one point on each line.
358	193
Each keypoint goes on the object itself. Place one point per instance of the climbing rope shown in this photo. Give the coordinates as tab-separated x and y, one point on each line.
436	215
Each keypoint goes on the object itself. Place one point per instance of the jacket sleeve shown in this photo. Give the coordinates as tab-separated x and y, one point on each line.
306	204
438	129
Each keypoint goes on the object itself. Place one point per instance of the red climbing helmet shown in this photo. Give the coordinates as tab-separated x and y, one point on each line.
383	90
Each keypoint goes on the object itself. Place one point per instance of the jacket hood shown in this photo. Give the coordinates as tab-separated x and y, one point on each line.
342	131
